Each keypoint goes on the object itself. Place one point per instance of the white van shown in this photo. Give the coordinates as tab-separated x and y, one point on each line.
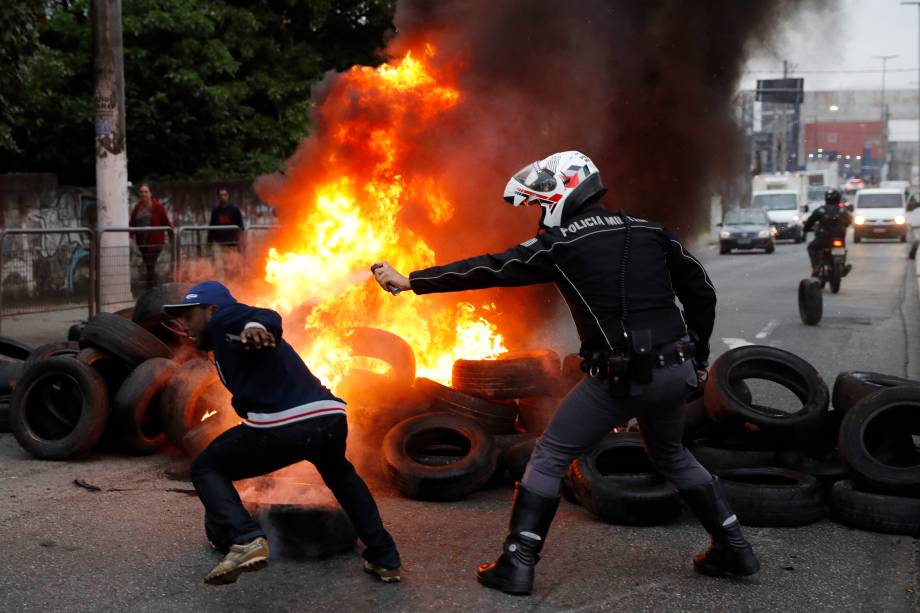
880	213
782	207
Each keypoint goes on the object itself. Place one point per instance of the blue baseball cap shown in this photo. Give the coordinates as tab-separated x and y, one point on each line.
206	293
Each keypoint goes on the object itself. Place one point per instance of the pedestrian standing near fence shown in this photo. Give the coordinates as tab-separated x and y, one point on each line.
225	243
149	212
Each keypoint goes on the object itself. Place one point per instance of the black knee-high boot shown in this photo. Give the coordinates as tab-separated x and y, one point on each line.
729	552
531	516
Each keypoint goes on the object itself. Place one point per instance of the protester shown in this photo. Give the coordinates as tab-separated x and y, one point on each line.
149	212
288	416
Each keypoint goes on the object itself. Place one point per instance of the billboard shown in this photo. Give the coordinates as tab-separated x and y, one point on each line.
788	91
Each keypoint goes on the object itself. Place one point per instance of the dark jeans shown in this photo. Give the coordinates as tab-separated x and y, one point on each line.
149	255
588	413
244	452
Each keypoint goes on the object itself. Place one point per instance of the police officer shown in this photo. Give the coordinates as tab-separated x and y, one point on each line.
619	276
287	416
831	220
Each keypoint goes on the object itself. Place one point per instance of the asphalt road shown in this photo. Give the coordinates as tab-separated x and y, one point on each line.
142	547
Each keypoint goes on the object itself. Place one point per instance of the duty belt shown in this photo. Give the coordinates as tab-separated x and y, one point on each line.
597	363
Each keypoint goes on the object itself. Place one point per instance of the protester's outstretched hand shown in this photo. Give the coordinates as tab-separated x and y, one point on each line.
257	338
389	278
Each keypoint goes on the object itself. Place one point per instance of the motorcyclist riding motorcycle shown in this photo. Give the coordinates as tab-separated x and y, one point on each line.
831	220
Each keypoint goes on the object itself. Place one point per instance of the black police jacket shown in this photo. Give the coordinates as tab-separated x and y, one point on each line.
583	259
831	222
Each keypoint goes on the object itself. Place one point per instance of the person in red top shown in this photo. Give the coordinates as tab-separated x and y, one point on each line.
149	212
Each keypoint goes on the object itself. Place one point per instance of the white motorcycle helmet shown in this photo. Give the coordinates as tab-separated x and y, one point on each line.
560	183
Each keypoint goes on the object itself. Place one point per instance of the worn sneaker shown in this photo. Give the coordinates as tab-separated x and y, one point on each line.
387	575
241	558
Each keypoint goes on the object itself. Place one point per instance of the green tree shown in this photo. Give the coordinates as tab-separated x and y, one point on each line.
213	88
19	20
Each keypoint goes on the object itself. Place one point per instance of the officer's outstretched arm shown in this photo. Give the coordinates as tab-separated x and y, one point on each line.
524	264
696	293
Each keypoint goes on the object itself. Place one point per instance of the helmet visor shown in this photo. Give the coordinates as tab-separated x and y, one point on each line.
535	178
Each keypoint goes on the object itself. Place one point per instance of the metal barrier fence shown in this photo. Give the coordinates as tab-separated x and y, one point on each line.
209	251
131	260
46	269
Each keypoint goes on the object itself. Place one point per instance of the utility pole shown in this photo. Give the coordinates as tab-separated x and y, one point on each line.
916	3
113	248
883	169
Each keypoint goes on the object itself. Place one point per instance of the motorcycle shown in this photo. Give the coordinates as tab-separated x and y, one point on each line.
834	265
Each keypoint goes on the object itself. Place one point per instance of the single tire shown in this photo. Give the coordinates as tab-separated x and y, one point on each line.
773	497
874	512
12	348
311	526
438	483
516	458
620	459
52	350
875	440
912	254
124	339
188	398
113	371
137	415
59	409
386	392
903	238
535	414
827	469
496	418
385	346
715	457
74	332
770	248
726	403
511	376
852	386
372	420
148	310
811	302
857	238
836	276
626	504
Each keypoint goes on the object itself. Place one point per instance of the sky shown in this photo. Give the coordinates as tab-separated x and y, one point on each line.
845	38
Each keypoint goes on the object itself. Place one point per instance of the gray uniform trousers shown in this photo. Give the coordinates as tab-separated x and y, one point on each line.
588	413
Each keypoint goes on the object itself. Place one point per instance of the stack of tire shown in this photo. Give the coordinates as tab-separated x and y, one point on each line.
879	441
120	384
479	431
775	467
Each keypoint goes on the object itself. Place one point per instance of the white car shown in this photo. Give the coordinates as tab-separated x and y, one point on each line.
782	207
880	213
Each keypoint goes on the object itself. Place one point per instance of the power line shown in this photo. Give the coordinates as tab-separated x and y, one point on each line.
854	71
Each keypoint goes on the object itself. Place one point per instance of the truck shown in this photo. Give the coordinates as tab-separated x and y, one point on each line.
782	207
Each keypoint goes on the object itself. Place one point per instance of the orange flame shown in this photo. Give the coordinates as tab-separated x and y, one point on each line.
350	220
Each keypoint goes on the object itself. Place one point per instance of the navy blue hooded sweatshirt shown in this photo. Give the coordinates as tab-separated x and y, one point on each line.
271	386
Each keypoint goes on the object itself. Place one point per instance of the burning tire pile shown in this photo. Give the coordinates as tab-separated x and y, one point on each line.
124	381
443	443
856	459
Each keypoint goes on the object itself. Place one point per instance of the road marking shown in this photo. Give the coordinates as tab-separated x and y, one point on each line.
734	343
767	329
